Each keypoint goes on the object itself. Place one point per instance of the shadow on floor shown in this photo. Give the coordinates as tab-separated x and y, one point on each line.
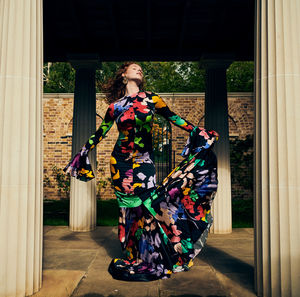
185	295
233	267
99	295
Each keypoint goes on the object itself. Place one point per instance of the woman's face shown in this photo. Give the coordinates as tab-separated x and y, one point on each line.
134	72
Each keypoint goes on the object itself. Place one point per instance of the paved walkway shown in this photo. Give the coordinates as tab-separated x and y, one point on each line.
75	264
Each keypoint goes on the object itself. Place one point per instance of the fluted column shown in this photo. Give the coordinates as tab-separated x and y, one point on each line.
21	198
216	118
83	194
277	143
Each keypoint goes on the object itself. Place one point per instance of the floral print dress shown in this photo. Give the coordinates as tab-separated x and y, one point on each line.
160	227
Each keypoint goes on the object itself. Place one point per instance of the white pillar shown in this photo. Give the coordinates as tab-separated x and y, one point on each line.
216	118
277	144
21	199
83	194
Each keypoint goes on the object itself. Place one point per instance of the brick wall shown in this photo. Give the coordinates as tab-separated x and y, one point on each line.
57	129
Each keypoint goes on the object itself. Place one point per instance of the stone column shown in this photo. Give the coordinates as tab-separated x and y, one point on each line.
216	118
21	190
277	143
83	194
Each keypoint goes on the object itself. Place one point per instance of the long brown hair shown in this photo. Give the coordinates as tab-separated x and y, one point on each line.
114	87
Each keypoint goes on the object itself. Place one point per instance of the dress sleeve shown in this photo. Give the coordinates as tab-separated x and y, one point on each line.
80	166
162	109
104	127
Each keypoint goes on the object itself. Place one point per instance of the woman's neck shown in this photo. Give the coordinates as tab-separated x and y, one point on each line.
131	88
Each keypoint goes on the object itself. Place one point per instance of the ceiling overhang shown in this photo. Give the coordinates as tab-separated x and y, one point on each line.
148	30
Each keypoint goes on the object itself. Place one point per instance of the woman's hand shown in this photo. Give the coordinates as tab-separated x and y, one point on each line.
77	162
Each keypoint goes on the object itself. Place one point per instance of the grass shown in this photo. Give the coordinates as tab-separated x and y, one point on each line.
107	212
242	214
56	213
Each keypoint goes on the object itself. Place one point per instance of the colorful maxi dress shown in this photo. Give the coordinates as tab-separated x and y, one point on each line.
161	228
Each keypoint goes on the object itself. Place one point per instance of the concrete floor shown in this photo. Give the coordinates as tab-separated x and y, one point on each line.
75	264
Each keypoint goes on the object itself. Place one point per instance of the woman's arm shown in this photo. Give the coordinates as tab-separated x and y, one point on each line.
104	127
162	109
80	166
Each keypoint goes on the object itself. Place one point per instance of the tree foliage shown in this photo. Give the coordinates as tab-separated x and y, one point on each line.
159	76
58	78
240	77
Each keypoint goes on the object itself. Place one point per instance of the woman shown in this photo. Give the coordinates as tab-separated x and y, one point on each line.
154	229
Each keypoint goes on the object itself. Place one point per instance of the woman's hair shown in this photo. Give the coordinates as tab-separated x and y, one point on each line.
114	87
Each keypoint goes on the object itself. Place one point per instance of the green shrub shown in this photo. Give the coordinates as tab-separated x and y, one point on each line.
62	180
241	163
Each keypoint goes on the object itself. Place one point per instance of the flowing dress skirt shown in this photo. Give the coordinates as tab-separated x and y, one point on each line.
164	230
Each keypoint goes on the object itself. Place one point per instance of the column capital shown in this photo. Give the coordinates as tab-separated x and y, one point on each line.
208	61
84	61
